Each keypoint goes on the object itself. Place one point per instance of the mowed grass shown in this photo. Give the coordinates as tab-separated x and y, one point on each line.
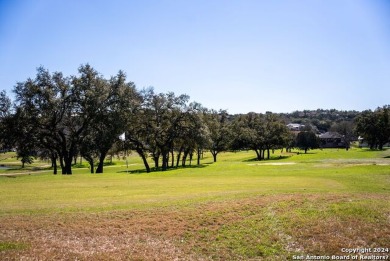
234	209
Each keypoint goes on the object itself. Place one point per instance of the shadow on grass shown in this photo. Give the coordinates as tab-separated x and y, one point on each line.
372	150
271	159
307	153
143	171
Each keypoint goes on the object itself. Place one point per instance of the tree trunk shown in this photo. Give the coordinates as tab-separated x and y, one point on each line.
68	165
55	168
141	153
214	153
92	166
103	154
268	155
191	155
146	164
178	156
165	159
172	159
68	168
54	163
258	154
62	165
183	161
199	155
156	158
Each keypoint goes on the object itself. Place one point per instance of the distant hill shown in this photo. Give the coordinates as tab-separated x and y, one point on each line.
320	118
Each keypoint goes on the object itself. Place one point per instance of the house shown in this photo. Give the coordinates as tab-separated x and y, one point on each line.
295	126
332	140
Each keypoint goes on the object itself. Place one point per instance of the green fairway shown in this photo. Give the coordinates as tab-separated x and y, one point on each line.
236	208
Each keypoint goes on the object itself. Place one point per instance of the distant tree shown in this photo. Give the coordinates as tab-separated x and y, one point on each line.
5	114
157	126
24	137
374	127
25	157
248	133
202	138
5	105
219	131
276	133
307	140
383	118
290	139
366	126
260	133
345	128
195	134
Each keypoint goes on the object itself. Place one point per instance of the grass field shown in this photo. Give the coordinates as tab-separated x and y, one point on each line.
236	209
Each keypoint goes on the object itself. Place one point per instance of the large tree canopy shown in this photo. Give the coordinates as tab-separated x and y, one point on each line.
259	132
64	114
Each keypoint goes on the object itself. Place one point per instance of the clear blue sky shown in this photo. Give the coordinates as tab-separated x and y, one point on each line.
240	55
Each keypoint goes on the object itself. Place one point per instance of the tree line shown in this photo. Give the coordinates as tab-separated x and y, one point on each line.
62	117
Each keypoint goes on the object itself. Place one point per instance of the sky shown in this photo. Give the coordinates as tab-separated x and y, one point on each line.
238	55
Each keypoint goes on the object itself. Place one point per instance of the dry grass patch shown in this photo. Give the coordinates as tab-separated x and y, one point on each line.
325	225
86	237
260	228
